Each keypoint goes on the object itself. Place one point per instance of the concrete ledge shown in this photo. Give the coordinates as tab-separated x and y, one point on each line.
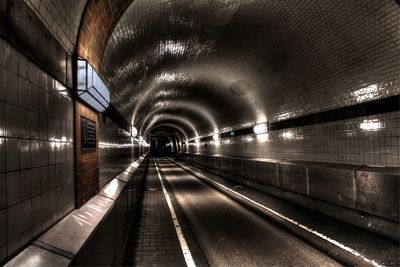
95	234
378	191
35	256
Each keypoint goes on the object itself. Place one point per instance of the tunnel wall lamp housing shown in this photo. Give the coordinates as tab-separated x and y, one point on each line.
216	137
261	128
134	131
91	88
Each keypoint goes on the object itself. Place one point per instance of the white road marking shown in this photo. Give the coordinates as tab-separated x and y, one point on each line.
182	241
302	226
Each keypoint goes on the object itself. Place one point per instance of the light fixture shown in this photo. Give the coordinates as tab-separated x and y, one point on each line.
216	137
133	131
371	125
91	88
261	128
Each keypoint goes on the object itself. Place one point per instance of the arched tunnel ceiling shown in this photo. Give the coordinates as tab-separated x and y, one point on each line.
249	61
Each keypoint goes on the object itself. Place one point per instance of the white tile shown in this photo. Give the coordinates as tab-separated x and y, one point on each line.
52	207
43	127
12	154
44	153
58	174
45	200
23	125
26	215
13	118
2	82
3	252
2	119
36	230
23	67
2	52
3	190
34	74
34	125
26	237
35	98
11	58
13	245
35	153
52	176
59	201
11	94
43	102
36	210
42	80
25	154
68	192
44	179
25	184
52	152
13	188
3	227
13	221
23	93
2	154
35	176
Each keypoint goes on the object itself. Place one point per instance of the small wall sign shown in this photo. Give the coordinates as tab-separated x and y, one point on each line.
88	133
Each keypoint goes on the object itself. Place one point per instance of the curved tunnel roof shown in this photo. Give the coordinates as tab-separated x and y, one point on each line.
211	65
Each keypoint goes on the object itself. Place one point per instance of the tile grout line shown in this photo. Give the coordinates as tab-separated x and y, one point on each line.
182	241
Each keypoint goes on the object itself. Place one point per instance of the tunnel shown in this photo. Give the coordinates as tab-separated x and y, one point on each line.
199	133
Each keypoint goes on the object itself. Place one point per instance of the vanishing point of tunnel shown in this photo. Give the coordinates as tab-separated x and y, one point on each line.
211	133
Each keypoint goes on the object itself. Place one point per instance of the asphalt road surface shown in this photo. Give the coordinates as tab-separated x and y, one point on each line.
231	235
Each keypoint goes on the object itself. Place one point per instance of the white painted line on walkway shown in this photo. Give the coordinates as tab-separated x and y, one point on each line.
302	226
182	241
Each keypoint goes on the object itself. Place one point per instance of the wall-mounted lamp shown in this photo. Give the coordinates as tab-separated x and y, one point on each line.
216	137
133	131
91	88
261	128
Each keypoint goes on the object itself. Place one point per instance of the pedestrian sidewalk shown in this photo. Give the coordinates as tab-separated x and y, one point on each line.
153	241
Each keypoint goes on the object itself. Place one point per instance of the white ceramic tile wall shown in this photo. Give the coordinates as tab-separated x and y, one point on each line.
372	140
62	18
36	151
117	150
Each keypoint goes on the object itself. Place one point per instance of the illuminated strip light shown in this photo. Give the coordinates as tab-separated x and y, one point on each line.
112	145
91	88
216	137
371	125
261	128
182	241
302	226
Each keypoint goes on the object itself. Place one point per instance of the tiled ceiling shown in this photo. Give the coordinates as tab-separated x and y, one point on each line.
218	64
228	63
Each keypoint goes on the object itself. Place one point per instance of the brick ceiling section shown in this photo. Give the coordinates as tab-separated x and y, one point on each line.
98	23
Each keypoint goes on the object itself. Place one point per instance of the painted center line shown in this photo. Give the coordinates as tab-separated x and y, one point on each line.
182	241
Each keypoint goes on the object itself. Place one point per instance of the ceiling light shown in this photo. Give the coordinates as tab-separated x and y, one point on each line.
261	128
